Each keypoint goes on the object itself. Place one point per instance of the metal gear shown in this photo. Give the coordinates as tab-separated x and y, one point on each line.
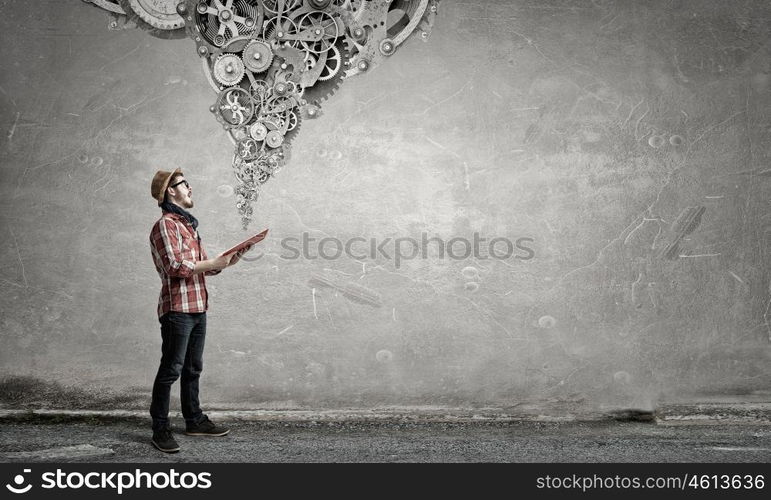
221	20
234	107
274	139
248	149
257	56
294	128
318	30
292	121
332	65
278	35
161	14
324	89
158	18
228	69
258	131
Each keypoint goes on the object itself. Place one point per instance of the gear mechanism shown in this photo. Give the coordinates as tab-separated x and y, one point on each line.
330	77
221	20
161	14
248	149
273	62
257	56
234	107
157	17
228	69
332	65
258	131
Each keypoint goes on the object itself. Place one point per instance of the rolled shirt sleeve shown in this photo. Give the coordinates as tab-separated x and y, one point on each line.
176	259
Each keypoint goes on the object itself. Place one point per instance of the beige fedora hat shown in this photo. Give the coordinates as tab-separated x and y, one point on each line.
161	181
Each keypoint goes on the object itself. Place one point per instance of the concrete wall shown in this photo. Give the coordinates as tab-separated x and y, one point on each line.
590	127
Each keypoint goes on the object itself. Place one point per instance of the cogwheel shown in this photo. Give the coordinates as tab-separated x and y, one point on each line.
157	17
332	66
257	56
287	27
323	27
220	21
294	127
258	131
323	90
161	14
292	121
228	69
234	107
248	149
274	139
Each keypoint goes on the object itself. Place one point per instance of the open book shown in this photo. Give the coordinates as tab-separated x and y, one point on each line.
247	243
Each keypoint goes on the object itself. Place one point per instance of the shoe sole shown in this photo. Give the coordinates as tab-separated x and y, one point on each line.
208	433
165	450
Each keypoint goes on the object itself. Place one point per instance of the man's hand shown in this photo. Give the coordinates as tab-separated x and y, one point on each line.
216	264
238	255
221	262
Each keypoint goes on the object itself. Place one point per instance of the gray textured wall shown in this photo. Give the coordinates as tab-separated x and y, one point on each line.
589	126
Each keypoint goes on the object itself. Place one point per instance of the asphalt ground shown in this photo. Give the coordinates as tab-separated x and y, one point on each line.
118	440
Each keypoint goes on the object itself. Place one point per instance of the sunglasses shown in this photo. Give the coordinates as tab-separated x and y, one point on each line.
181	182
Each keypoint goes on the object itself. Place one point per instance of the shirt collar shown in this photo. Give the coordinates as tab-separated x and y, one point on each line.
182	219
172	215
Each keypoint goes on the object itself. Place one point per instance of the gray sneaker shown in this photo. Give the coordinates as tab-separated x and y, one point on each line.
206	428
164	441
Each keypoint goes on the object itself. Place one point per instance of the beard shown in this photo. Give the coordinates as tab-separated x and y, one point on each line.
187	202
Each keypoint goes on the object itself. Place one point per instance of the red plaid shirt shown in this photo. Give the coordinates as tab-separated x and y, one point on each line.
176	248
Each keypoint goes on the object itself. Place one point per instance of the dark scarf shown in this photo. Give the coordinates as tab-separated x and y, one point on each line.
176	209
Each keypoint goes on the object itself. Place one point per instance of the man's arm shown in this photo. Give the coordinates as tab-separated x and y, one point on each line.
209	266
181	263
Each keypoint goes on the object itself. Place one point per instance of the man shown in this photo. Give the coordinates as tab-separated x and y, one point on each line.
182	265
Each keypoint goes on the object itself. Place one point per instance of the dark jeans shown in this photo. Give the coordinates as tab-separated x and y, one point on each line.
183	337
